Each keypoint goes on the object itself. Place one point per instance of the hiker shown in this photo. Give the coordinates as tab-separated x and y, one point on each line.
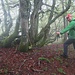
71	37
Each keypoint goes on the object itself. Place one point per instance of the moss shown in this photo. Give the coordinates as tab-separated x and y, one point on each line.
8	40
22	47
41	44
43	58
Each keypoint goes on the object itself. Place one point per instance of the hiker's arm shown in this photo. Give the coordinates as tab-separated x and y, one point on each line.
70	26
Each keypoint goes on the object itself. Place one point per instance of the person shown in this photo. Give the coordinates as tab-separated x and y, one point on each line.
71	38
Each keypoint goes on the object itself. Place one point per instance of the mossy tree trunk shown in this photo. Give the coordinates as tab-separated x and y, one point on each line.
34	21
8	41
24	44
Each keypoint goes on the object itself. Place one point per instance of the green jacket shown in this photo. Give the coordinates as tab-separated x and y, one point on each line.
71	29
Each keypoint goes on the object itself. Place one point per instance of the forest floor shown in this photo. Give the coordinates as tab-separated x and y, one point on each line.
40	61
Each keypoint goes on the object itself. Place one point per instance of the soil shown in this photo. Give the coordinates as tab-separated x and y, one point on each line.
39	61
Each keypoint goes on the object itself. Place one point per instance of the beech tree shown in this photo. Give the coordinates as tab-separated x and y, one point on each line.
31	37
7	24
29	15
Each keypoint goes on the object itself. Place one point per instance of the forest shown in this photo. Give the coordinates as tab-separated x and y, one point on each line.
29	44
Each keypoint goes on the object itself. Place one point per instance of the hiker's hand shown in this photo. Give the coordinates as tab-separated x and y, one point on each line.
58	33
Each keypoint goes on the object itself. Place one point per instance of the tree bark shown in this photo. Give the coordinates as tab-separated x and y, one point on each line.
24	44
8	41
34	20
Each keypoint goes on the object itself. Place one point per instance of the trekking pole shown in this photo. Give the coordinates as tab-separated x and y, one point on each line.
57	36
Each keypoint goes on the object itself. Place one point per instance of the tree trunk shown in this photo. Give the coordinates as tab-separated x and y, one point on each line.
7	20
24	44
34	20
8	41
64	20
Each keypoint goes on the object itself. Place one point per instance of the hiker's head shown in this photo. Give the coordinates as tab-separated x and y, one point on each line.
69	17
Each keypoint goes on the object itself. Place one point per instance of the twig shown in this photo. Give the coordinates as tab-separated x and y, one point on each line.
39	63
36	70
22	64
